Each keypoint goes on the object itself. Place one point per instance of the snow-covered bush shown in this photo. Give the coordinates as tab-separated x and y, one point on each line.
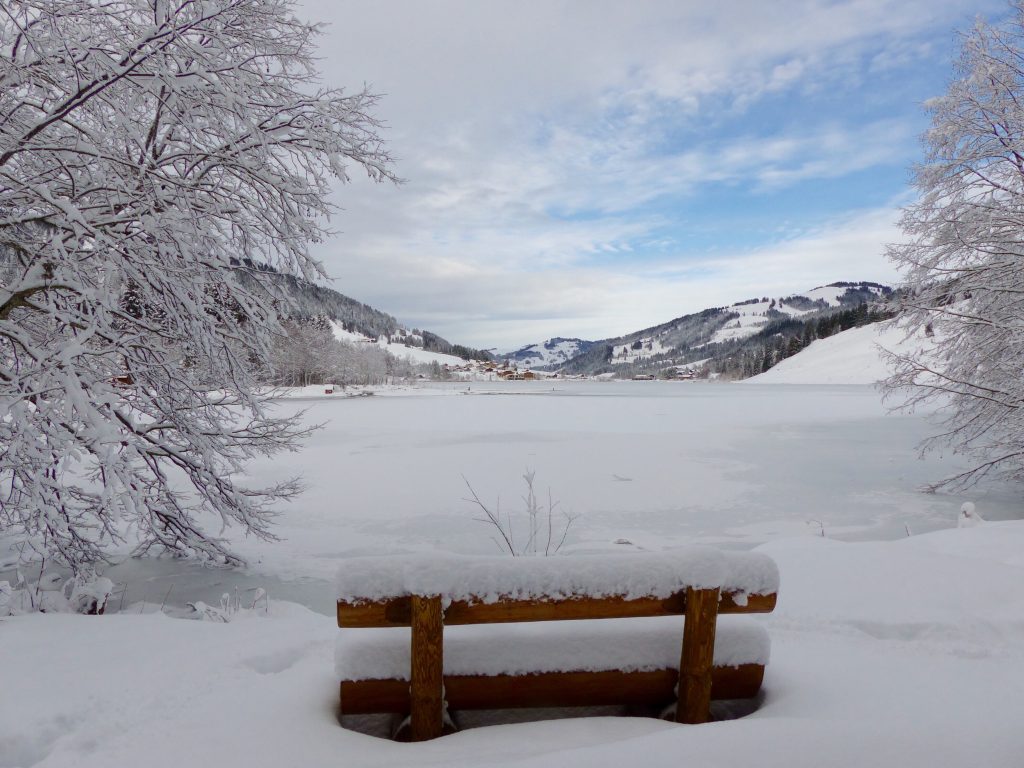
52	592
969	517
231	606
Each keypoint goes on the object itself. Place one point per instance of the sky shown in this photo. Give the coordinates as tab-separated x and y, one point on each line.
587	168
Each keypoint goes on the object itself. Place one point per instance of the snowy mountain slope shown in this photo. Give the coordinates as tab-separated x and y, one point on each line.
550	353
754	314
722	334
849	357
306	300
402	344
639	350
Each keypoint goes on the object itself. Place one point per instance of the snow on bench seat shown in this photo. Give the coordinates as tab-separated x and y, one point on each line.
629	645
492	579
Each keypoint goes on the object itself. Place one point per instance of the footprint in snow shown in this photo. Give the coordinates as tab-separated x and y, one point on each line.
278	661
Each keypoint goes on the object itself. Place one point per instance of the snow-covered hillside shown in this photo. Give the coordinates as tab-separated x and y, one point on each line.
641	349
402	345
756	313
753	316
550	353
306	300
850	357
730	338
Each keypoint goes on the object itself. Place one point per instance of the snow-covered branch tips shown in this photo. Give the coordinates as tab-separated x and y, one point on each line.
964	258
150	152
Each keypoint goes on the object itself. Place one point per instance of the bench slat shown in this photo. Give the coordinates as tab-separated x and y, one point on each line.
549	689
397	611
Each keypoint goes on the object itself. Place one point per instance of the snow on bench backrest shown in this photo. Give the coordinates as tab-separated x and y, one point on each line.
491	580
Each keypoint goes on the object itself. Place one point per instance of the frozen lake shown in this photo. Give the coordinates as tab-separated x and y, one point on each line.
648	465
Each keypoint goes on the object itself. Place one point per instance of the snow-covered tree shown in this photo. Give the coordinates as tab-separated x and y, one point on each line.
151	151
306	353
964	256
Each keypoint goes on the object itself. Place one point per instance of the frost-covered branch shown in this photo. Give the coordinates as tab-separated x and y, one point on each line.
964	258
155	157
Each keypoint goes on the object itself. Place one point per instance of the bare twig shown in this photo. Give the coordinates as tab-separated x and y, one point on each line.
491	517
534	510
166	596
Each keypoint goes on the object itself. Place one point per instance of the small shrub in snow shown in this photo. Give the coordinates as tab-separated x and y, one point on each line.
545	530
969	517
53	593
231	606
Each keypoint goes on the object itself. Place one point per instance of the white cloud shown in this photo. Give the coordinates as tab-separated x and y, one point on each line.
493	305
536	136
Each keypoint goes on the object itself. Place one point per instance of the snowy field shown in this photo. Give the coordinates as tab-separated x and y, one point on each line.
896	642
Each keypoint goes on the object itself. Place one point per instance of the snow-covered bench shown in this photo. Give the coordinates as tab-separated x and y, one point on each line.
443	664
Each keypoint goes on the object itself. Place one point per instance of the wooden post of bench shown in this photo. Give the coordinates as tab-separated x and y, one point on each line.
427	668
698	656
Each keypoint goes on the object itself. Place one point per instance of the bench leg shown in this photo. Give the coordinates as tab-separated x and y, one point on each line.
427	682
698	656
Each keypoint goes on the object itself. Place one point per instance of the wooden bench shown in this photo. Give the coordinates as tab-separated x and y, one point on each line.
423	674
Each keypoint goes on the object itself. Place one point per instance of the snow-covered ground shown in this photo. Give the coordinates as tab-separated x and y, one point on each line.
904	653
331	391
850	357
897	639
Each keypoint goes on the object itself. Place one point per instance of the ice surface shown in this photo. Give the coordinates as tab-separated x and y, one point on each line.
730	465
652	465
632	645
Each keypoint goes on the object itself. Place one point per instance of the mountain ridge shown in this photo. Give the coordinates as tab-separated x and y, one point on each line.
730	340
306	299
